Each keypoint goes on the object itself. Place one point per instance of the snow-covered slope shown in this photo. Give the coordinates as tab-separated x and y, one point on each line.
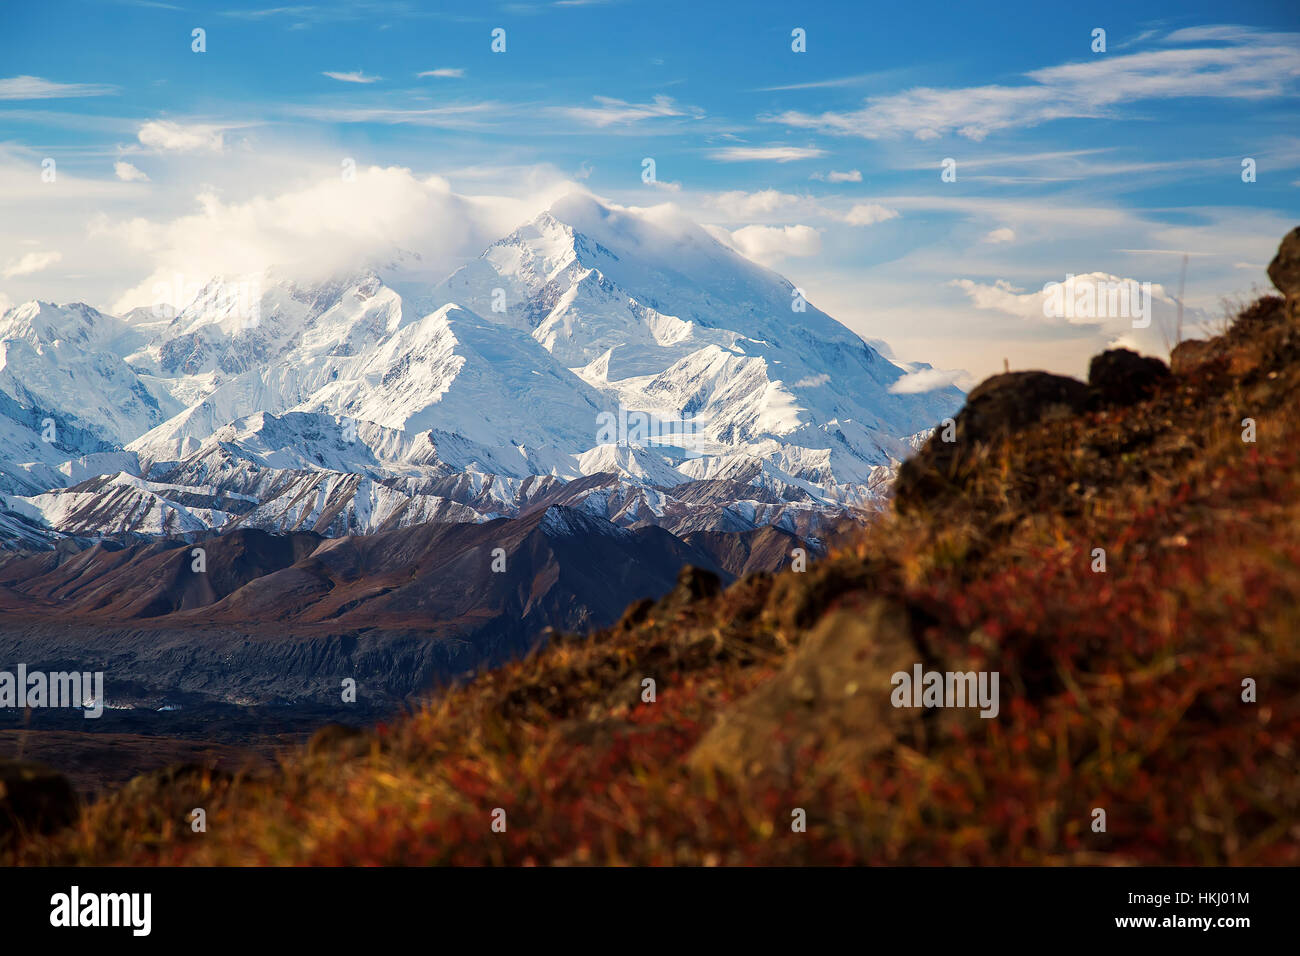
665	319
621	362
58	363
28	463
458	373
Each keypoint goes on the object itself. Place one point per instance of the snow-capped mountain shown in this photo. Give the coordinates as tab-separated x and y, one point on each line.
63	363
619	361
663	317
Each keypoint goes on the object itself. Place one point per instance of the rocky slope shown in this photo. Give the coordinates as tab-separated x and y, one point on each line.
271	619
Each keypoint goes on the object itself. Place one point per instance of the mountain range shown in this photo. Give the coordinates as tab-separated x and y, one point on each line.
697	388
399	482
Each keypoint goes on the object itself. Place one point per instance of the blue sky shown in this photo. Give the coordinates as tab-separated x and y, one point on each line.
823	164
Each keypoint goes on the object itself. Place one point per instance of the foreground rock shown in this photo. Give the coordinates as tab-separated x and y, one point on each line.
1005	404
1122	377
1188	356
998	408
830	704
1284	270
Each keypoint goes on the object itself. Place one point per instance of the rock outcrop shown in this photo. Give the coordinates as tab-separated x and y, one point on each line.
1284	271
1122	377
997	408
830	704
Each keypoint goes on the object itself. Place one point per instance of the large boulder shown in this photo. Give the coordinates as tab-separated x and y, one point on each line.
1005	404
1191	355
33	799
998	408
1122	377
831	702
1284	270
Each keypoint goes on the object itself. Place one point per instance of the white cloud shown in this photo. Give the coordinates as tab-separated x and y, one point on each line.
1003	297
926	380
813	381
739	204
316	230
1254	65
849	176
868	214
456	116
115	236
771	206
1111	318
777	154
181	137
445	72
769	244
356	76
32	262
907	298
128	173
35	88
611	112
821	84
1004	234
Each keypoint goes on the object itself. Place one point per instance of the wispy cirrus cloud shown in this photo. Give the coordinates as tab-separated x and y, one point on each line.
343	11
455	116
356	76
773	154
612	111
847	176
1061	166
1253	64
263	13
445	72
822	84
36	88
